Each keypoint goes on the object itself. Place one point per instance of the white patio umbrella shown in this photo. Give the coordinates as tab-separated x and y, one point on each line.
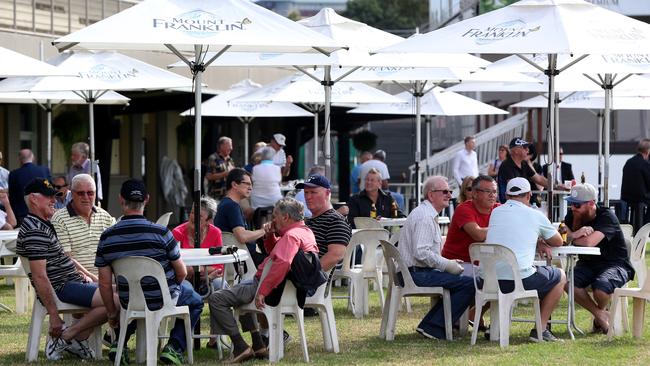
549	27
98	73
16	64
49	101
246	112
192	27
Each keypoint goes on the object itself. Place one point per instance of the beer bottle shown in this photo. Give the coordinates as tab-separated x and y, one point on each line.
393	209
582	178
562	229
373	211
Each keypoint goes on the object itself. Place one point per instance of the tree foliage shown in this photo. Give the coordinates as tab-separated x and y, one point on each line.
389	14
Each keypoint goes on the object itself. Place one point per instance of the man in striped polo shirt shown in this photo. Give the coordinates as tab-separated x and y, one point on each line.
54	274
134	235
80	223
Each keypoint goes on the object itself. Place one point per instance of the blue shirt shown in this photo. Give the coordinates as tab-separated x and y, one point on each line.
354	178
229	215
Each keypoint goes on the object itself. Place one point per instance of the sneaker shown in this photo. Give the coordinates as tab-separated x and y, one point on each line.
81	349
423	333
112	352
286	337
170	356
54	348
547	336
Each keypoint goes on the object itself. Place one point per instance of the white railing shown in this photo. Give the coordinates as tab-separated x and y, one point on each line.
487	142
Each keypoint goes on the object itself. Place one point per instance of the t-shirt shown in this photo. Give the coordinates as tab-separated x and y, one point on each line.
509	170
212	239
458	241
329	227
613	250
266	184
37	240
229	215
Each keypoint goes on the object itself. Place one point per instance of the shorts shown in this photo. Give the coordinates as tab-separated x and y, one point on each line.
78	293
543	280
603	278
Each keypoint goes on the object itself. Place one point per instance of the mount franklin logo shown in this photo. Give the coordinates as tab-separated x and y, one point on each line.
499	32
201	24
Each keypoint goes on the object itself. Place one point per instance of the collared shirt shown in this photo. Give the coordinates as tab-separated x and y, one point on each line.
465	164
64	202
420	241
282	250
517	226
78	237
218	164
280	158
85	169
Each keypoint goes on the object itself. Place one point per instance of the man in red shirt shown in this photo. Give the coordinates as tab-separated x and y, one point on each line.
470	221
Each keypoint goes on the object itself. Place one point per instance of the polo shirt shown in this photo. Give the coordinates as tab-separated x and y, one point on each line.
517	226
329	227
458	240
78	237
229	215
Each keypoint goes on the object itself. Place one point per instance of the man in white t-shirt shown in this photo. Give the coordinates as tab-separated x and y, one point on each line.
465	162
281	159
376	162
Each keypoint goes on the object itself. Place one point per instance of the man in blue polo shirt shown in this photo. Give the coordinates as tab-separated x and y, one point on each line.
134	235
518	226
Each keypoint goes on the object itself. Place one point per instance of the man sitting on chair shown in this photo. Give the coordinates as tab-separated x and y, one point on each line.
285	235
593	226
420	243
134	235
56	275
518	227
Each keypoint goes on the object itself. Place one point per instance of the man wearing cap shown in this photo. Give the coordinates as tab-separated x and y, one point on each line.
79	225
519	227
592	226
281	159
331	230
56	275
465	162
420	245
517	165
219	164
134	235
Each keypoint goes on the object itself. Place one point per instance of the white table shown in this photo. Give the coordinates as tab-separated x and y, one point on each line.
6	236
399	221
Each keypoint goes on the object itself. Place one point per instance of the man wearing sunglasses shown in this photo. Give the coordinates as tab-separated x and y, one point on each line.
593	226
60	183
420	243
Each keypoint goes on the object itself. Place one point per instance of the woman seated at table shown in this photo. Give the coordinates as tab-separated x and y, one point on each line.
372	201
266	180
210	237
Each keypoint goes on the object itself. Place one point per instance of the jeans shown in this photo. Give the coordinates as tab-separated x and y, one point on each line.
192	299
461	289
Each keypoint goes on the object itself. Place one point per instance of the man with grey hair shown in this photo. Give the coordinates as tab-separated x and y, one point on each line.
420	244
18	180
635	186
284	238
377	162
219	164
80	224
80	164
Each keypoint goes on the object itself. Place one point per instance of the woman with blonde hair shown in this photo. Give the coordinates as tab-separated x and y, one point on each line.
465	190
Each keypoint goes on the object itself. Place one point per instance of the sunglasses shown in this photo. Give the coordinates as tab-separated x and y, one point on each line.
59	187
576	204
444	191
85	193
488	191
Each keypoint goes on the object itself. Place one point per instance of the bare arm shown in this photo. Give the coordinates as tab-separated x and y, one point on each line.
476	232
106	291
244	236
586	236
491	170
11	218
555	240
334	255
179	270
81	269
46	293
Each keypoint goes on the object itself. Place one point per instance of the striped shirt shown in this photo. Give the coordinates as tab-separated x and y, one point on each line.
37	241
329	227
136	236
78	237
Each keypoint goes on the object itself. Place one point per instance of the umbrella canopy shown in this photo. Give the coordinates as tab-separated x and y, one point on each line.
437	102
563	83
591	100
223	106
15	64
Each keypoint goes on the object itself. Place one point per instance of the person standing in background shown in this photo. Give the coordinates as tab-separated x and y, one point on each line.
465	163
80	163
19	178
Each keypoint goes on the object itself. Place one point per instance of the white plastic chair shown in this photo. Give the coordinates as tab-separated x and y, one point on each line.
407	288
228	239
361	222
163	220
501	305
322	301
275	318
133	270
640	296
21	285
368	270
38	316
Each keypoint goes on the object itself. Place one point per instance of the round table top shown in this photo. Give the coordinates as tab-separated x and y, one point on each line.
201	257
385	221
572	249
8	234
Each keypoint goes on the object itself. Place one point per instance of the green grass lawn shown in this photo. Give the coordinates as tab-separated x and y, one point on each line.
360	343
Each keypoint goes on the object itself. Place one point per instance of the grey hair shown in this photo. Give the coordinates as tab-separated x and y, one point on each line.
267	153
375	171
209	205
379	155
291	207
82	178
82	148
222	140
317	169
430	183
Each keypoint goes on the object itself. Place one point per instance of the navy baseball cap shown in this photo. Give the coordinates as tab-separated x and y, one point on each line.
313	181
134	190
42	186
518	142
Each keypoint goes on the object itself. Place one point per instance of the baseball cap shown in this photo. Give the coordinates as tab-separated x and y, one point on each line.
133	190
315	180
517	186
581	193
43	186
518	142
280	139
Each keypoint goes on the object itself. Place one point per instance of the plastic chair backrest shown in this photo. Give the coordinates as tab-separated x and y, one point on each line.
164	219
361	222
133	270
628	231
489	255
369	238
637	252
396	265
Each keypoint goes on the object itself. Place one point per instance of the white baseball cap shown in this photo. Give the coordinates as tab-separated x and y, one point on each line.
517	186
280	139
581	193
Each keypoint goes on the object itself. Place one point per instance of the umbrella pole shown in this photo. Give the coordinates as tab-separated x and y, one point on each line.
198	72
606	123
316	138
428	143
551	71
418	140
599	116
327	83
48	109
245	122
91	125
